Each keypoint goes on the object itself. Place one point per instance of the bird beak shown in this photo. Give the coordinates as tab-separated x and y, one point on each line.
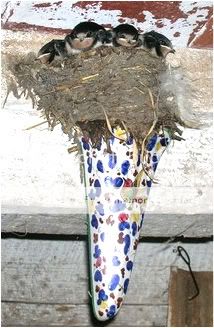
44	58
132	41
81	37
166	50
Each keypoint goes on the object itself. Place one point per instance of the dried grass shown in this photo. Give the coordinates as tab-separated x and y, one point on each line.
96	91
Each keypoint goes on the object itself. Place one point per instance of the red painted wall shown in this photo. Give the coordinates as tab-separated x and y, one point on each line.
201	35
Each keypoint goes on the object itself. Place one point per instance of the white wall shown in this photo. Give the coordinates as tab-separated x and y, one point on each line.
38	173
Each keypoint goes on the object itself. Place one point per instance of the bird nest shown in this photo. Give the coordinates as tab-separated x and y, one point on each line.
97	91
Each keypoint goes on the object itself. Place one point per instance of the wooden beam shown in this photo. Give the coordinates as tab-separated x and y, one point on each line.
42	271
155	225
45	282
69	315
197	312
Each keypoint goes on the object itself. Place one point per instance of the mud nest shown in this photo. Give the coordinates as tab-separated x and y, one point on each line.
97	91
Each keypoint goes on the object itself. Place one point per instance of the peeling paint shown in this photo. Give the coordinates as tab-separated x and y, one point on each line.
42	5
204	37
177	34
181	21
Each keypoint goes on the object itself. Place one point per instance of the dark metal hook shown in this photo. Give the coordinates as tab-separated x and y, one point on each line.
186	259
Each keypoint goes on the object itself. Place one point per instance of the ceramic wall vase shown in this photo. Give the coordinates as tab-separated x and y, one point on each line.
117	190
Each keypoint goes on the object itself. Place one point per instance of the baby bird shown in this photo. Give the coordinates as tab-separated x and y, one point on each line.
106	37
51	50
125	35
85	36
155	43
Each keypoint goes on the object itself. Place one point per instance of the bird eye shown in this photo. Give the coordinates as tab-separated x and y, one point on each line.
163	43
122	36
89	34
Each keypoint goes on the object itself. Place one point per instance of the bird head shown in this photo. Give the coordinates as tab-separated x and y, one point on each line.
157	44
105	36
126	35
84	35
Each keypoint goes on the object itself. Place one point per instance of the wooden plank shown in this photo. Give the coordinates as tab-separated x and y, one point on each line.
197	312
155	225
42	271
51	272
69	315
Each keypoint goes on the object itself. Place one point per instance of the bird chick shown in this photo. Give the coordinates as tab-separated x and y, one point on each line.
106	37
52	50
125	35
155	43
85	36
